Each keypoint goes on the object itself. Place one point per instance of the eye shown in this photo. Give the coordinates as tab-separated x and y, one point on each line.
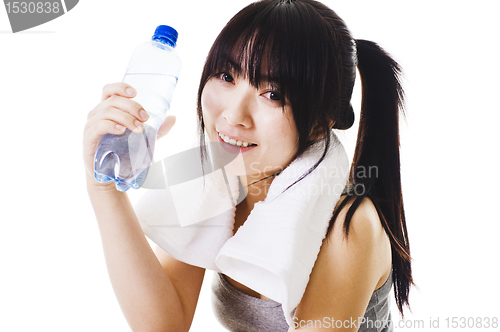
226	77
273	95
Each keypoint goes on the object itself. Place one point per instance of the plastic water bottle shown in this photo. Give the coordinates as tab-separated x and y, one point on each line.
153	71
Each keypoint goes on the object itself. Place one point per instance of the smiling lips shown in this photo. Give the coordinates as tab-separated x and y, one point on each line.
235	142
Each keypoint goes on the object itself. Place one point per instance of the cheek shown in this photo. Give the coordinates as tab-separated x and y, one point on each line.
210	102
285	129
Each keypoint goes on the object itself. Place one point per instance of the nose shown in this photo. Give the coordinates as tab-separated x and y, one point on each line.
238	111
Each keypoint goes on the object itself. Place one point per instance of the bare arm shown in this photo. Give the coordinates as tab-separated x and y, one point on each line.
346	273
154	293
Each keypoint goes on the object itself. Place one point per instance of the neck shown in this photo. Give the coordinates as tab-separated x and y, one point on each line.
255	192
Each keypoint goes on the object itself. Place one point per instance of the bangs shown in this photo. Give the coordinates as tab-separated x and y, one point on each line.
267	44
302	49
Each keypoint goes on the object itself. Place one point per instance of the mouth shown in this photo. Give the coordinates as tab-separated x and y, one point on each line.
234	141
234	145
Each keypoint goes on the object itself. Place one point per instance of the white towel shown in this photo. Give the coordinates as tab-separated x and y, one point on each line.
274	251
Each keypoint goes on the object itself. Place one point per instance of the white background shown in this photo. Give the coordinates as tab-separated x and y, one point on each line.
53	276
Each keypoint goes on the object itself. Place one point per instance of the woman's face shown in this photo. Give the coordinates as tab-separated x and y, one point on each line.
242	114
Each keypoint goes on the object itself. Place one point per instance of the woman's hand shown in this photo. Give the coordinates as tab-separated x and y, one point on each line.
113	115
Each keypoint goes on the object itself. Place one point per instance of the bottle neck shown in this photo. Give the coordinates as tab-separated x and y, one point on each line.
165	41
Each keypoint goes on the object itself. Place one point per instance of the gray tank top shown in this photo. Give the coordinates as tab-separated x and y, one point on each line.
240	312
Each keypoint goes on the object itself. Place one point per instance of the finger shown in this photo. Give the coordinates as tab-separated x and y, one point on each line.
120	117
124	104
130	106
166	126
94	132
119	89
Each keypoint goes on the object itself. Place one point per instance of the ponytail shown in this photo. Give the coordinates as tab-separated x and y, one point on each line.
377	149
314	66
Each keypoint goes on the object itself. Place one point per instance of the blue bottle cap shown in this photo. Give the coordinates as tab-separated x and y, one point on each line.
166	35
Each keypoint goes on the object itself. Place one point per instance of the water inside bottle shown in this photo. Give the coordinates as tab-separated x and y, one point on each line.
125	158
154	93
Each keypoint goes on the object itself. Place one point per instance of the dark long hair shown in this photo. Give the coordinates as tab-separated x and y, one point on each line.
312	58
377	147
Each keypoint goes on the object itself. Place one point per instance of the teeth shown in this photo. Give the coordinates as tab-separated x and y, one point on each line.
232	141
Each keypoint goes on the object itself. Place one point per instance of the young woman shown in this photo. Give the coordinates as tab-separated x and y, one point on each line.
278	79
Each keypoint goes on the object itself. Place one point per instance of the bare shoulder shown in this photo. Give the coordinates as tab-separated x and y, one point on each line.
348	270
365	222
366	236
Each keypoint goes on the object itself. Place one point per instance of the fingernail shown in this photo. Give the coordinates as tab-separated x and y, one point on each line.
143	114
131	92
138	124
119	127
